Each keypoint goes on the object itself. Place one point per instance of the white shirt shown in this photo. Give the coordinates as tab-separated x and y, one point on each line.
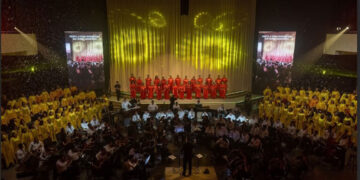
160	115
204	114
169	115
230	116
152	107
277	125
125	105
136	118
36	146
181	114
241	118
69	130
176	106
191	115
20	154
84	126
94	122
146	116
221	109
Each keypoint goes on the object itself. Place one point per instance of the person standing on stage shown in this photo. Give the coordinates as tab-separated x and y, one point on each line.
158	92
208	81
218	82
148	81
185	81
150	90
178	81
117	89
132	79
205	89
181	90
163	82
200	80
222	91
172	101
213	90
133	90
188	91
142	91
156	81
187	150
167	91
197	88
170	82
193	82
175	90
139	83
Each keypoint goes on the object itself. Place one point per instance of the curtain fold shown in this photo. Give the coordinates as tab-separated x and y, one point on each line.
151	37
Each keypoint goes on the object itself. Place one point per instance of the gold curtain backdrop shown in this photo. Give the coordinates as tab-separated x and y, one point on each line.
151	37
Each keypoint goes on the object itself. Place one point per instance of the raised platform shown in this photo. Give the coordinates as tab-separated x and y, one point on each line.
197	174
232	100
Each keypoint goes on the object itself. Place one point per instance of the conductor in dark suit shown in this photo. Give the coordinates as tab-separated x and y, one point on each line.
172	101
187	149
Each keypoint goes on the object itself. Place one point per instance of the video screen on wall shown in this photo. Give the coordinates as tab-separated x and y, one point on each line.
274	58
85	59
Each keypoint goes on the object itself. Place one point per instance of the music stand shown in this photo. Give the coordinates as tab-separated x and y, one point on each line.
172	157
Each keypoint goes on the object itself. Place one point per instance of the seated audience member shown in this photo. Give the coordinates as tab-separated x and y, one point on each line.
191	114
146	116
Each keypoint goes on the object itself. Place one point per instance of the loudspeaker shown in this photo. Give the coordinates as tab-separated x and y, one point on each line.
184	7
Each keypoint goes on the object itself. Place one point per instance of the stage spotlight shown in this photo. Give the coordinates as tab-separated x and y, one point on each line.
32	69
338	28
347	27
324	72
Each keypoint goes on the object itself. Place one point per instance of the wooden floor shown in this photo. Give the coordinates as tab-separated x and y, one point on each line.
172	173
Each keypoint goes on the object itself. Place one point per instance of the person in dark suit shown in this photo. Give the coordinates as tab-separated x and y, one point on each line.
187	149
172	101
117	89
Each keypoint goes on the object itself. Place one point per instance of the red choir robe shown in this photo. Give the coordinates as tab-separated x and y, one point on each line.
224	80
133	90
188	91
205	89
138	85
148	82
171	83
200	81
213	90
208	82
150	92
222	91
163	82
197	90
167	91
178	81
143	92
156	81
185	82
158	92
193	82
181	90
218	82
132	79
175	91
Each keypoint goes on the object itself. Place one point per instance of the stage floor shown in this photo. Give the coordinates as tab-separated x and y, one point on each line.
211	103
197	174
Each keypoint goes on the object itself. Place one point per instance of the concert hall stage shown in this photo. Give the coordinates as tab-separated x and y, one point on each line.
232	99
197	174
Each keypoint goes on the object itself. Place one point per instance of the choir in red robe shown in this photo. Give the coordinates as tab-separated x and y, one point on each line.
164	88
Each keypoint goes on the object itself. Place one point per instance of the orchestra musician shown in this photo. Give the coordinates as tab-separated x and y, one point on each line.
187	150
62	166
